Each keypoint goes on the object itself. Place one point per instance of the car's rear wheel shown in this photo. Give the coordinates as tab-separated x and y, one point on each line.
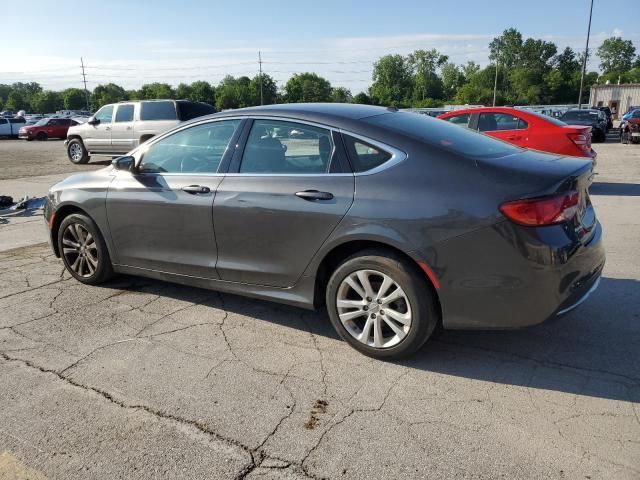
41	136
83	250
381	305
77	152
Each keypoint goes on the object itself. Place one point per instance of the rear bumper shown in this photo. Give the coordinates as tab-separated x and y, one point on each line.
506	276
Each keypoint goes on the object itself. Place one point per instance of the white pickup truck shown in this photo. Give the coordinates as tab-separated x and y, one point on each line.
9	127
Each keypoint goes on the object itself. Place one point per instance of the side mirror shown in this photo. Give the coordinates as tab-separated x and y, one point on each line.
124	163
93	121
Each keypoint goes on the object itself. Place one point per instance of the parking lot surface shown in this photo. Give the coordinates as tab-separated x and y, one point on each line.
144	379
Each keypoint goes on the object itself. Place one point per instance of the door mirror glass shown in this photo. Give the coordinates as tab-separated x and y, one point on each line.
124	163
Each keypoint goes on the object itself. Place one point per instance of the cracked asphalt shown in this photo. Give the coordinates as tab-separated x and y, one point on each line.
144	379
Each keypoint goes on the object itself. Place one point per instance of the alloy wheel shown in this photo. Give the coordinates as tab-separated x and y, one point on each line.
373	308
80	250
75	150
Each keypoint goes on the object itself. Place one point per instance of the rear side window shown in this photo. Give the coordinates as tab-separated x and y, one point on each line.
462	120
491	122
443	135
124	113
189	110
287	147
363	155
157	111
16	120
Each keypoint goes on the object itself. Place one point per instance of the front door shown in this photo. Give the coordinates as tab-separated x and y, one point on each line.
160	217
122	129
98	136
275	209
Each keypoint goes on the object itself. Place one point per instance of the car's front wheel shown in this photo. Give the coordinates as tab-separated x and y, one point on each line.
83	250
41	136
77	152
381	305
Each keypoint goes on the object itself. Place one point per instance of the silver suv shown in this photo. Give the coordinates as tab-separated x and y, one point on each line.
117	128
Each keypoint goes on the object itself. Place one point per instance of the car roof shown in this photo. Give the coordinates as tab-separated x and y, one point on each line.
320	112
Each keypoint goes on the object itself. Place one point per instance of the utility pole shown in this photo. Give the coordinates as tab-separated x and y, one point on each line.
495	80
260	63
584	60
84	79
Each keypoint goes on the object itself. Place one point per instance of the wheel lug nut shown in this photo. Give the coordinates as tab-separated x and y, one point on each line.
366	307
379	302
373	315
381	312
368	299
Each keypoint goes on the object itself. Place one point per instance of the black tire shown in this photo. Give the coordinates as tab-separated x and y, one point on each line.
419	293
103	270
76	152
41	136
624	138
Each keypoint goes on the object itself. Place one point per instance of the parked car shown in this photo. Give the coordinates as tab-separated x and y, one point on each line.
629	114
608	114
6	113
117	128
32	119
526	129
588	117
10	127
397	222
630	128
47	128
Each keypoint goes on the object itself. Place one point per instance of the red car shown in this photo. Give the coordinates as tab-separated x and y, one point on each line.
47	128
526	129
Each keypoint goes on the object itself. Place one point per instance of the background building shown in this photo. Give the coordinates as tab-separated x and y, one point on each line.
617	97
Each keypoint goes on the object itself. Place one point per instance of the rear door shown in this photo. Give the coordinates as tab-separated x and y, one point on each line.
5	127
507	127
97	137
284	194
160	217
122	130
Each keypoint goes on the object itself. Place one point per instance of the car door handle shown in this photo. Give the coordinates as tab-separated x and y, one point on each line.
128	128
193	189
108	128
314	195
514	137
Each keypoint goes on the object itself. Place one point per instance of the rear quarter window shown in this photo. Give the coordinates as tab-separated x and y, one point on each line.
363	155
443	135
158	111
189	110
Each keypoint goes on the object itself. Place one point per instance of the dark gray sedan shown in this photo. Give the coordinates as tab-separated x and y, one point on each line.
396	222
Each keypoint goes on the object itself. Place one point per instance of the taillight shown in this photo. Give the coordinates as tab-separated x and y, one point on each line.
580	139
542	211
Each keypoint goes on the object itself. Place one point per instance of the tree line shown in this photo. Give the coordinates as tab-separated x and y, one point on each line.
529	71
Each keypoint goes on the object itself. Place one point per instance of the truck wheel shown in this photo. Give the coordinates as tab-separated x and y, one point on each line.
77	152
41	136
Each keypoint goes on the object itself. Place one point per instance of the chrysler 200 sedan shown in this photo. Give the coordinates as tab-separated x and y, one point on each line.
397	222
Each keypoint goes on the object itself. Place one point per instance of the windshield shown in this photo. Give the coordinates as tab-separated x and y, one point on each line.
444	135
581	116
42	122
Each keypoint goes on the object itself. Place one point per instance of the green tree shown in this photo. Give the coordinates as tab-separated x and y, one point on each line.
269	90
392	81
478	87
341	95
202	91
73	99
362	98
506	49
156	90
47	102
452	79
616	55
104	94
227	94
16	101
307	87
183	91
426	82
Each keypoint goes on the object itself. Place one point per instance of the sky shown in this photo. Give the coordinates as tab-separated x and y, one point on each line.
131	42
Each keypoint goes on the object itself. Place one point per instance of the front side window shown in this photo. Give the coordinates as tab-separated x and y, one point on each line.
491	122
104	114
462	120
198	149
124	113
157	111
363	155
286	147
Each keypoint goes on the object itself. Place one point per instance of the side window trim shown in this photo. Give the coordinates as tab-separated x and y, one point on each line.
397	155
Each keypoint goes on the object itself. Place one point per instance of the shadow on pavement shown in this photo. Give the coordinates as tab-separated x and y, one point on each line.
591	351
